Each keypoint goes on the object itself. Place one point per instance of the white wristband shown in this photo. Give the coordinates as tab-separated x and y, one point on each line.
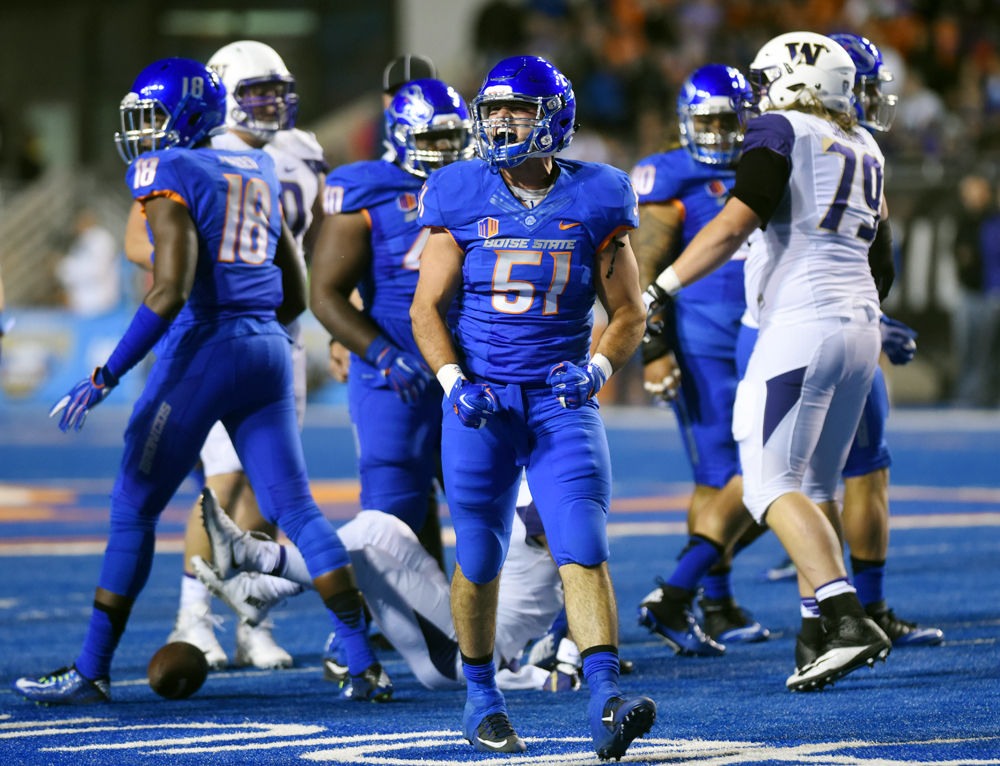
669	281
600	360
447	376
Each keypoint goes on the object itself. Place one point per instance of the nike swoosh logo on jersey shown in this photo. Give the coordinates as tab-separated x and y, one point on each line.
564	226
495	744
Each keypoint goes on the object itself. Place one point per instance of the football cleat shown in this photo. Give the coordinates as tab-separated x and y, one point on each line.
64	687
902	632
371	686
256	646
196	625
671	619
726	622
850	642
227	539
250	594
619	721
488	729
335	661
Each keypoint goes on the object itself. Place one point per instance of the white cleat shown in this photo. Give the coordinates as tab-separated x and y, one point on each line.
250	594
196	625
256	646
226	538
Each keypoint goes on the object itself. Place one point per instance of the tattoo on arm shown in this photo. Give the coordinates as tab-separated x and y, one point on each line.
655	241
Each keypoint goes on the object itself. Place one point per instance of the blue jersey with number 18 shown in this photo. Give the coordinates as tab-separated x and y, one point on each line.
528	284
232	198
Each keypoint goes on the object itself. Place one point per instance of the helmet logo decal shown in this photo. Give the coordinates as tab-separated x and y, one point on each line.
810	52
415	107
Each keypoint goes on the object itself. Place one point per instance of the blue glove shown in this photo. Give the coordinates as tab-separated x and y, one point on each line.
83	397
474	403
407	374
574	385
899	342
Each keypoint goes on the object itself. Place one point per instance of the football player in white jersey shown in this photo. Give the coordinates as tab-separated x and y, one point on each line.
261	106
811	179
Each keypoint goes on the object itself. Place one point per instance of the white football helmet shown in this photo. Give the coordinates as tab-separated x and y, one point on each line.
248	63
796	63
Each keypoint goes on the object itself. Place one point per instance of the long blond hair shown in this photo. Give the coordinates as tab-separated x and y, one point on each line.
809	103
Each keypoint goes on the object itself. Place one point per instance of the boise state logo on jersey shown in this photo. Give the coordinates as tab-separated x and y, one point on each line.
488	227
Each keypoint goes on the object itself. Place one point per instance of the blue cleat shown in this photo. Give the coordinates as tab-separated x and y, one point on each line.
371	686
64	687
487	727
726	622
671	619
902	632
619	721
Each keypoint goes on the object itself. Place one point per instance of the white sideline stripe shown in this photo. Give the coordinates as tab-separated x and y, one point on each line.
616	529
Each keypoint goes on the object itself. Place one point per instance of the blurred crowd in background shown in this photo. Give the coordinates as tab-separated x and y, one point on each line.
627	59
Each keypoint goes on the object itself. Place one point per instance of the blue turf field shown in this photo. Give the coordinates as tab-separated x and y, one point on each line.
924	706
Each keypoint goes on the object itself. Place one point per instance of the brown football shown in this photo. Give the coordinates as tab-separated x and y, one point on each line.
177	670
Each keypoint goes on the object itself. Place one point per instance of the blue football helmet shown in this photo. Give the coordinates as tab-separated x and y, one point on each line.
525	80
875	109
173	102
712	109
428	124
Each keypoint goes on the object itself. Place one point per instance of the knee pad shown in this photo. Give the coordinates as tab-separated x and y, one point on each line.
579	535
128	557
480	553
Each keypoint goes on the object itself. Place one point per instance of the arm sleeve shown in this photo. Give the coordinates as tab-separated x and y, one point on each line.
880	259
761	179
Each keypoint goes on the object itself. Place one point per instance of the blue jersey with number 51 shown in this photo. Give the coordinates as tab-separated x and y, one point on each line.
527	295
232	198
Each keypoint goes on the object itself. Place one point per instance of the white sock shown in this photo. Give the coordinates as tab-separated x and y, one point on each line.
193	592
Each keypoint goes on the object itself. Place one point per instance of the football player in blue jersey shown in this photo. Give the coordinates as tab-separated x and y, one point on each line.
520	246
371	240
226	274
261	109
692	362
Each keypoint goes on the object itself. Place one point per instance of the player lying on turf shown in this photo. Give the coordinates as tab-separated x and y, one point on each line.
406	592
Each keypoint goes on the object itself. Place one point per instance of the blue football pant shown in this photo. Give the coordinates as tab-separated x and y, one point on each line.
247	383
704	410
568	467
398	448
